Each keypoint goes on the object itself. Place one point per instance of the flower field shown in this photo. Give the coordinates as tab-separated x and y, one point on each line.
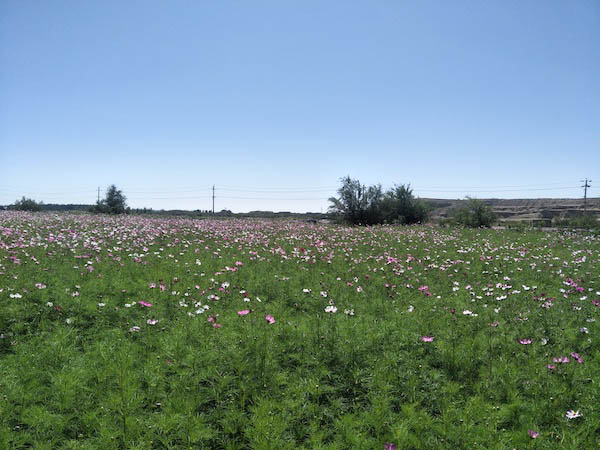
131	332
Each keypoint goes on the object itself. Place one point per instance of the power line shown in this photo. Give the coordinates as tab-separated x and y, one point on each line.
273	198
495	190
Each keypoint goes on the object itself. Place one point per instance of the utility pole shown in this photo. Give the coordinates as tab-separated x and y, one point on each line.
585	187
213	199
98	194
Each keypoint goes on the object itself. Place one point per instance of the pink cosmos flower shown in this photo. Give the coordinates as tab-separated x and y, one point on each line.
550	366
577	358
152	285
525	341
152	321
243	312
561	359
427	338
534	434
146	304
269	318
389	446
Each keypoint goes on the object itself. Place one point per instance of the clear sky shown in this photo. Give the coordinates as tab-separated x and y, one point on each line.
273	102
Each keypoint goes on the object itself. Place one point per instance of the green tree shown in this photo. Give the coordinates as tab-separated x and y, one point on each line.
113	202
27	204
357	203
475	213
400	206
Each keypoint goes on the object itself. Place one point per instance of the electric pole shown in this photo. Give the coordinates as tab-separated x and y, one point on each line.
213	196
98	194
585	187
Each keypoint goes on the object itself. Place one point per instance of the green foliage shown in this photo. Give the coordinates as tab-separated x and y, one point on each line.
475	214
27	204
113	203
75	373
400	206
588	221
358	204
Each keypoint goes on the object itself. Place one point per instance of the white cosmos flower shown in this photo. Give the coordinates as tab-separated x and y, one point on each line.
573	414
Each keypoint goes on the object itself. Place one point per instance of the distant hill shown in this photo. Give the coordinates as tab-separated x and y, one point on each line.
524	209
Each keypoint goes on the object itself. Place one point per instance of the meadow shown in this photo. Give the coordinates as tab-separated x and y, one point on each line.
145	333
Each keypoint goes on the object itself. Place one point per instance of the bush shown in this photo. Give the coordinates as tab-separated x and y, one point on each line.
113	203
27	204
358	204
402	207
587	221
474	213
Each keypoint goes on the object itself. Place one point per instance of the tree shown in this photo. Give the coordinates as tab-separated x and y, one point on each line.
402	207
357	204
27	204
474	213
113	203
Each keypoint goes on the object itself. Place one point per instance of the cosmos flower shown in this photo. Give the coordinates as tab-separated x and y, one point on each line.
427	338
573	414
534	434
269	318
243	312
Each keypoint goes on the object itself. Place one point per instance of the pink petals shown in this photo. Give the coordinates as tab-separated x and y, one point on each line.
534	434
525	341
269	318
243	312
427	338
146	304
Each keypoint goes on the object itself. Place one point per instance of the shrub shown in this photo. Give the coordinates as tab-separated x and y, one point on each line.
359	204
402	207
27	204
587	221
475	213
113	203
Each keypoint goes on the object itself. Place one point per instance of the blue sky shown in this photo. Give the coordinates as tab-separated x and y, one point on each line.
273	102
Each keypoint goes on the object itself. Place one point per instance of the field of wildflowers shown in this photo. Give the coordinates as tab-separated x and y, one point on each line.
130	332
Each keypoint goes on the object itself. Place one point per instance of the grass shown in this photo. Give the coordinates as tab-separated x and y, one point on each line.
84	364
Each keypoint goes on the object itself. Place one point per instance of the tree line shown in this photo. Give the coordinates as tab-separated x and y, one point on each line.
358	204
